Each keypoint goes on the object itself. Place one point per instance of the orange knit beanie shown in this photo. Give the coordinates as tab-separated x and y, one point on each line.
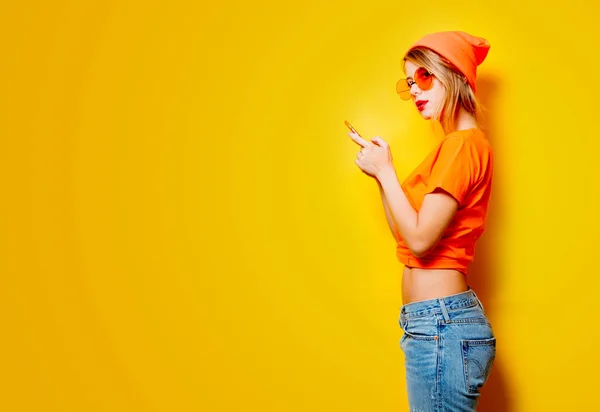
463	50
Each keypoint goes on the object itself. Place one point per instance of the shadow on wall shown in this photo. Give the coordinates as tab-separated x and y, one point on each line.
496	394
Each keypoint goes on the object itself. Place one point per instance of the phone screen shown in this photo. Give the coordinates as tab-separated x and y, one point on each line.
350	127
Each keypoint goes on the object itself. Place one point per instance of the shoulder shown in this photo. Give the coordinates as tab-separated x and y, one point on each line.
474	136
472	141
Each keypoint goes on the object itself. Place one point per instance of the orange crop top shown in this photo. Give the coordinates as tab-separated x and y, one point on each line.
462	166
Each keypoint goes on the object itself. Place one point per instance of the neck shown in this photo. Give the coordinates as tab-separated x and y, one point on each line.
464	121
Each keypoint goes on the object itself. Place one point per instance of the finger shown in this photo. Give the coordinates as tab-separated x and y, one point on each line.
359	140
379	141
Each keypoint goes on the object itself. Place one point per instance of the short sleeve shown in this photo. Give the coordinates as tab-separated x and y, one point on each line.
454	167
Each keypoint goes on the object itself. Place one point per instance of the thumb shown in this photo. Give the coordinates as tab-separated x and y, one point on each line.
379	141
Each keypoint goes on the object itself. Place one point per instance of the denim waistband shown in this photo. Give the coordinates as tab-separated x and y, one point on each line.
444	304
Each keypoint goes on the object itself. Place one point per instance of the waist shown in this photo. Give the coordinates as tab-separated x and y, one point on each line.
422	284
439	305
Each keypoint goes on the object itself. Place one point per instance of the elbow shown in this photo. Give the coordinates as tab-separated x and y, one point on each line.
419	248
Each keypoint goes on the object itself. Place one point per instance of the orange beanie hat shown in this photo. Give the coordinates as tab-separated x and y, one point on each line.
466	52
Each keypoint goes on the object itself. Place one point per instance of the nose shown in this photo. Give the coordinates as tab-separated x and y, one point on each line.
414	89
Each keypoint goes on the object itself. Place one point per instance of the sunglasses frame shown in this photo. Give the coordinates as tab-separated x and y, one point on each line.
403	87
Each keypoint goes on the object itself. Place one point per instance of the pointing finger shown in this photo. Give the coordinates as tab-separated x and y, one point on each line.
359	140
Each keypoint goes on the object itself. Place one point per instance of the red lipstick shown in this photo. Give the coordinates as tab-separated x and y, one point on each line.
421	104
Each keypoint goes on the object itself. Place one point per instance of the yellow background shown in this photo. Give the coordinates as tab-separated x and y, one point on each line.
183	227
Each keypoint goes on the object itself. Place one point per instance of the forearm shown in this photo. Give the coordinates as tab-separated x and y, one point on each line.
400	210
388	216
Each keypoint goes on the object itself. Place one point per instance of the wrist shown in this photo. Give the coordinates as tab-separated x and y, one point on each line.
386	173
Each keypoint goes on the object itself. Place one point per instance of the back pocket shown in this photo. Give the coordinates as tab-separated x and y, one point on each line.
478	357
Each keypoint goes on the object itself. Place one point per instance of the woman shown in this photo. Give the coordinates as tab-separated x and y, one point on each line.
436	216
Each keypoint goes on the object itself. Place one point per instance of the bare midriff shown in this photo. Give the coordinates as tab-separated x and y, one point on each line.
423	284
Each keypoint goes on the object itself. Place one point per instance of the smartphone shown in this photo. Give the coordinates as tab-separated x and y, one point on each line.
351	128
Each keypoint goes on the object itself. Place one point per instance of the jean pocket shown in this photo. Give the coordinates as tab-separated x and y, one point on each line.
402	339
478	357
421	329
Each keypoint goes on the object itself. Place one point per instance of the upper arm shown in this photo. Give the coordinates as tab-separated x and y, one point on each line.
448	184
437	211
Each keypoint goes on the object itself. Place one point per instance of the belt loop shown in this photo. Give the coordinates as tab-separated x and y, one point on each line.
478	300
444	310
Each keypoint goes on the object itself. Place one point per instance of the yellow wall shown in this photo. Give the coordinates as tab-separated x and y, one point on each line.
183	227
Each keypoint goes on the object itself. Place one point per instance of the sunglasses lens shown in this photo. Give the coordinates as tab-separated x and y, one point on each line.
423	78
403	89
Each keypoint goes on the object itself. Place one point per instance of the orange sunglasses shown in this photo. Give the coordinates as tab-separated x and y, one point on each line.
423	79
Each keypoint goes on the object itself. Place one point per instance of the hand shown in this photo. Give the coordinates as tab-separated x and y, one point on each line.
374	157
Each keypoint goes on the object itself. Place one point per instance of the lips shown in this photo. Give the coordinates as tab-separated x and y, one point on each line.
421	104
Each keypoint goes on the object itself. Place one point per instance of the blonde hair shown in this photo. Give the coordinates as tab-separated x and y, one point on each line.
458	90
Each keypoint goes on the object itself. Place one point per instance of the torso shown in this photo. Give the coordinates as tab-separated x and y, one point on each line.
423	284
474	149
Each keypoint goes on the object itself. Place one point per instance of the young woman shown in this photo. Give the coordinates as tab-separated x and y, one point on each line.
436	216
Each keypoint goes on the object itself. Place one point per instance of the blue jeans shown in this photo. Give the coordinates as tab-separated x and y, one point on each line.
449	348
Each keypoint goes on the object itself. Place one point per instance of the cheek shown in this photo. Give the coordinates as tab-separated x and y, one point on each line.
438	90
437	94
